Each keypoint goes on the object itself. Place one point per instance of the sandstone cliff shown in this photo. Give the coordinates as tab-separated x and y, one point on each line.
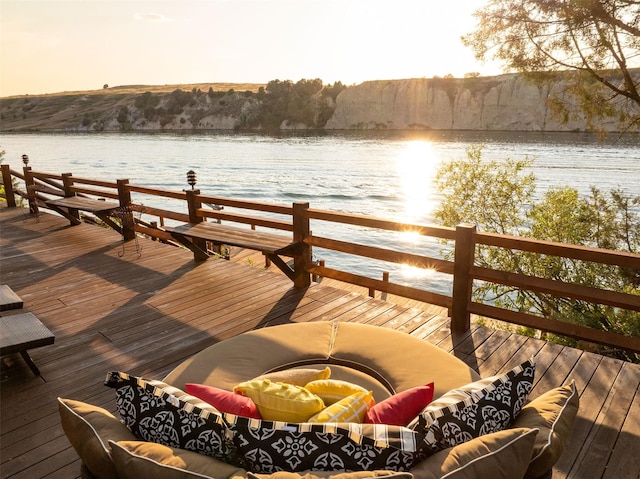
505	102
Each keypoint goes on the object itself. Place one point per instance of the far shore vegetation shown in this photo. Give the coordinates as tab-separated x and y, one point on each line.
498	197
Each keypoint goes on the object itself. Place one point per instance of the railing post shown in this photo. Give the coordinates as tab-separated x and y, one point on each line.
67	184
194	204
154	225
7	181
385	279
462	280
302	257
29	184
124	198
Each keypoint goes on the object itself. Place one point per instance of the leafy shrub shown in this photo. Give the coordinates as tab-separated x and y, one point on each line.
147	100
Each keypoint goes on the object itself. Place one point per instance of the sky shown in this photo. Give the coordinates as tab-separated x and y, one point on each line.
49	46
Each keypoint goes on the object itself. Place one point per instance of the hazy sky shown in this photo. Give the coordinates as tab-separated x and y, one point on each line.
62	45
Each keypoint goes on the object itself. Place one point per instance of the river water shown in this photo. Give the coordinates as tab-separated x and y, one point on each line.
384	174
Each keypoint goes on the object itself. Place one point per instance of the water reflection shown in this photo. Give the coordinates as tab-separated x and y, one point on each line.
416	166
410	272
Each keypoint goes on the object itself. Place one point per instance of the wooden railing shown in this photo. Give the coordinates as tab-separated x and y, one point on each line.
299	219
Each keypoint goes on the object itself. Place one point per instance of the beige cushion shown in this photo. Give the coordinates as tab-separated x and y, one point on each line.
500	455
297	376
390	357
137	459
404	360
553	413
88	429
254	353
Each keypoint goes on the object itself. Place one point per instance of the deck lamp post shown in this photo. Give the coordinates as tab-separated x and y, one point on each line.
25	160
191	178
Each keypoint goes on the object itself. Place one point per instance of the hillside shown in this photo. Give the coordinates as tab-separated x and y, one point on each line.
505	102
98	110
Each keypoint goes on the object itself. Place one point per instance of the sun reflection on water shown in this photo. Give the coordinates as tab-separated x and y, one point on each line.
416	167
415	272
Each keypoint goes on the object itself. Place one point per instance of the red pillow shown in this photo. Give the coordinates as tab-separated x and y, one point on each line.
400	409
224	401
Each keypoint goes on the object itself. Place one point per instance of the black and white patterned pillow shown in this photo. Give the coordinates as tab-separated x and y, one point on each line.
482	407
268	447
158	412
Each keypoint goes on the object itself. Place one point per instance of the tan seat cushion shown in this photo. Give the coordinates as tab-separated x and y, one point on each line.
405	361
393	359
138	459
553	413
252	354
501	455
89	428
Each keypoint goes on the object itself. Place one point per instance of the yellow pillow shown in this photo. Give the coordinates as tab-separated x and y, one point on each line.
333	390
280	401
297	377
350	409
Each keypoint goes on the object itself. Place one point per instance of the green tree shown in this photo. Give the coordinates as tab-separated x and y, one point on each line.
499	197
591	44
275	103
334	90
303	106
178	99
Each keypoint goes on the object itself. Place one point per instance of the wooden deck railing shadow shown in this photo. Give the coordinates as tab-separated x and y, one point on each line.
297	221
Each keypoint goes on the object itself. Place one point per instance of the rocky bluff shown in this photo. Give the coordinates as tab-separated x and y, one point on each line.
505	102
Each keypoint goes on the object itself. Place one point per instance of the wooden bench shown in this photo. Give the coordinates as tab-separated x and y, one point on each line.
21	332
272	245
9	299
69	207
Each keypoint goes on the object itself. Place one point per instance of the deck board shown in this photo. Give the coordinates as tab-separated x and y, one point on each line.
146	314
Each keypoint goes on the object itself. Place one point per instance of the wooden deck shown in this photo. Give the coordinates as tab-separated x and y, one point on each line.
145	315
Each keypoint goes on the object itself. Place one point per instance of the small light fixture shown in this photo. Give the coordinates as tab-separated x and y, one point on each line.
191	178
25	160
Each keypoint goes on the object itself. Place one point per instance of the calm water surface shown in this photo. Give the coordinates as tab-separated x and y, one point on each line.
380	174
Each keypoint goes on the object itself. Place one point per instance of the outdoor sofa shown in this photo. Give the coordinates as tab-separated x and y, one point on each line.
496	432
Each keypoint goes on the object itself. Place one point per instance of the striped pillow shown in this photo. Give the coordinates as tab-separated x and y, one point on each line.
482	407
333	390
269	446
350	409
160	413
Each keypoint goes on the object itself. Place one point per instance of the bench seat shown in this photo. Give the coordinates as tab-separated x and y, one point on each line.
272	245
9	299
69	207
85	204
21	332
268	243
